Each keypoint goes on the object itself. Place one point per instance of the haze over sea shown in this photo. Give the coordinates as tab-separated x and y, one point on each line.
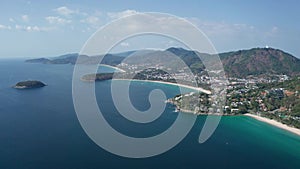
39	129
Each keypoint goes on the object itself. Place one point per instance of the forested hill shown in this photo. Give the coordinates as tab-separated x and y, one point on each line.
242	63
258	61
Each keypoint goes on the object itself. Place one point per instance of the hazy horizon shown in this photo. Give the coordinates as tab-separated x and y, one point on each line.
43	29
120	52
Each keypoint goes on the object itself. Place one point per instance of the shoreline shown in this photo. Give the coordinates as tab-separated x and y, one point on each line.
259	118
161	82
113	67
275	123
170	83
193	112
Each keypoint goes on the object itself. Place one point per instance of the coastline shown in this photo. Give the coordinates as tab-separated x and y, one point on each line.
161	82
193	112
169	83
202	114
113	67
275	123
20	87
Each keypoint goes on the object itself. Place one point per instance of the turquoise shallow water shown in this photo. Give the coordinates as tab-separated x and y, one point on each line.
39	129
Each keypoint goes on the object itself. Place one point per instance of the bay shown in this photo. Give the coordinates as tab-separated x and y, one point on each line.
39	129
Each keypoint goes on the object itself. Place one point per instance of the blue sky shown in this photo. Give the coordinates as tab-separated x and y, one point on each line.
40	29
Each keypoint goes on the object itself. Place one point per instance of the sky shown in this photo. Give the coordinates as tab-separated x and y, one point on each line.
31	28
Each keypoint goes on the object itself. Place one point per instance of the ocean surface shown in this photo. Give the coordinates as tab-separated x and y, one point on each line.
39	129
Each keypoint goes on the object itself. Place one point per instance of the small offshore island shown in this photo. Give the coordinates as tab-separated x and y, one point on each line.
29	84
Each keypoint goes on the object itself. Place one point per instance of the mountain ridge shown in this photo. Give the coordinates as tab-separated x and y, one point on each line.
240	64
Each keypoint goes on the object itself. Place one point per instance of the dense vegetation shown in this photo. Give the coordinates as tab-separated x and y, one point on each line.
197	103
97	77
277	100
242	63
154	74
259	61
29	84
146	74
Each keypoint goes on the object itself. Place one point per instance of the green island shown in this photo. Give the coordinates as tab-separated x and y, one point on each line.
29	84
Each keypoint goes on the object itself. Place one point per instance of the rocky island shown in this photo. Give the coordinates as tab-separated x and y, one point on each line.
29	84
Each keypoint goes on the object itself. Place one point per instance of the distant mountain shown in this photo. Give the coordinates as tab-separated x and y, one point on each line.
108	59
189	57
242	63
63	59
258	61
39	60
125	54
66	56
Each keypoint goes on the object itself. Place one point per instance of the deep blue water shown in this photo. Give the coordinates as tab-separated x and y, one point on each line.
39	129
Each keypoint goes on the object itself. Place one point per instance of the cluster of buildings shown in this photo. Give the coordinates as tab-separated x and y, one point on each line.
242	95
245	95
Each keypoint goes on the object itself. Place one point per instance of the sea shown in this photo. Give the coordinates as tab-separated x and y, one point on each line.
39	129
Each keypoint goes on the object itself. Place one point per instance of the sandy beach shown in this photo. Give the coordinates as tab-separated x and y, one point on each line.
174	84
162	82
275	123
119	69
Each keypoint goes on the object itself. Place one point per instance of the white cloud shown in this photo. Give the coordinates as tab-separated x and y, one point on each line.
273	32
235	31
63	10
4	27
116	15
11	20
222	28
25	18
57	20
125	44
34	28
93	20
